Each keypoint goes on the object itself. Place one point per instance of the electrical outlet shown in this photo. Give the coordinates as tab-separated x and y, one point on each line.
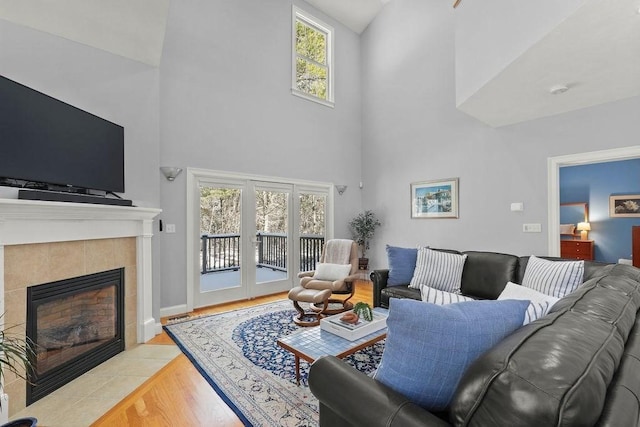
171	228
532	228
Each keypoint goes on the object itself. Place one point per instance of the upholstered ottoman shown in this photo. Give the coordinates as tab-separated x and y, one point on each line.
315	297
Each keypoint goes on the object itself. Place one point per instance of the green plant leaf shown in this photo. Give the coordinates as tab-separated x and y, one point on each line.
363	310
363	226
16	355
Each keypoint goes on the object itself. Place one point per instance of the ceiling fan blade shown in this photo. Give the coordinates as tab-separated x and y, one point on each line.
456	3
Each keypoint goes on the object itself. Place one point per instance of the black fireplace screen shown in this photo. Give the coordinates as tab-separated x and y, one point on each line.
76	324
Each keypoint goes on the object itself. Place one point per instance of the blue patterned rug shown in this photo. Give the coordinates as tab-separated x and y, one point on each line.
237	354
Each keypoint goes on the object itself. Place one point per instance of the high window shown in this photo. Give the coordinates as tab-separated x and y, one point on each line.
312	66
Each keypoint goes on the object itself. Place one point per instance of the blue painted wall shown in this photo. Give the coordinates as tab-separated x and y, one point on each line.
594	184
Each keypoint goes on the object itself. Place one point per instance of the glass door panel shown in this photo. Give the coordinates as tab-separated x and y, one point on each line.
312	228
272	221
272	241
221	262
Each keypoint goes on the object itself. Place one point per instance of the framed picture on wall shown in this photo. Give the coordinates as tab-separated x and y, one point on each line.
435	199
624	206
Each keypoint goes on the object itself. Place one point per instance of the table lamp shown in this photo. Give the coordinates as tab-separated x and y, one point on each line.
584	228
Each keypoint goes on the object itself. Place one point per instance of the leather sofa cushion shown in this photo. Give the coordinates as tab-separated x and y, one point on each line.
554	371
622	407
399	292
624	270
486	274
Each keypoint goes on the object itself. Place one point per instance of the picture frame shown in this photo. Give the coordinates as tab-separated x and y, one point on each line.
624	206
435	199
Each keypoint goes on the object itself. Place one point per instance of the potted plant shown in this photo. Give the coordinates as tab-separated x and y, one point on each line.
362	309
16	356
363	227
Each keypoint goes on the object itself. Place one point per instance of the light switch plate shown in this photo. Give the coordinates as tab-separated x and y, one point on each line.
532	228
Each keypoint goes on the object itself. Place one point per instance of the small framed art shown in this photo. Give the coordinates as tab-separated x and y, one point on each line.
624	206
435	199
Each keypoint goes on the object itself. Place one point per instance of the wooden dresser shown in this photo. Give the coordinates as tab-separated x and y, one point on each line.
635	245
577	249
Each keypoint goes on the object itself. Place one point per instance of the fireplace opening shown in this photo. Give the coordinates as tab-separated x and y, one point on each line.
76	324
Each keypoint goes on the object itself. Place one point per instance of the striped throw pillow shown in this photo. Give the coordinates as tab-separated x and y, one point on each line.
535	311
555	278
439	270
438	297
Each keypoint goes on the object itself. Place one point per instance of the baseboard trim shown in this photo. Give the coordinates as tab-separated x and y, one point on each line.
174	310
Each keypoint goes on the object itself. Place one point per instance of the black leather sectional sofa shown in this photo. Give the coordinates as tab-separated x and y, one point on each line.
484	276
577	366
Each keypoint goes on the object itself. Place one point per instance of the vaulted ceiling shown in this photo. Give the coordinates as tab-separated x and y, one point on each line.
354	14
130	28
591	57
594	52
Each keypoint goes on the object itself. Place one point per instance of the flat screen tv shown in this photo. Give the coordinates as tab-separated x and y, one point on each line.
46	141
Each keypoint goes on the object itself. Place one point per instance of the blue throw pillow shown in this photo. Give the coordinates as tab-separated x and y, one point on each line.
429	347
402	262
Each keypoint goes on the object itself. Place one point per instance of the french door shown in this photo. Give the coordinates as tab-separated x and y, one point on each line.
246	236
271	226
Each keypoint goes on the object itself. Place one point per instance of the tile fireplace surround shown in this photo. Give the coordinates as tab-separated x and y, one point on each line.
42	242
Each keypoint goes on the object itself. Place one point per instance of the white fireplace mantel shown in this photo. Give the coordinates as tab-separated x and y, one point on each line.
28	222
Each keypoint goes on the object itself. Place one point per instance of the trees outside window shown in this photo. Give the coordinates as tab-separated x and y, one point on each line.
312	58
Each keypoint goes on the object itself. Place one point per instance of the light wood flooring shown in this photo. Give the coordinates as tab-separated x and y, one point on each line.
178	395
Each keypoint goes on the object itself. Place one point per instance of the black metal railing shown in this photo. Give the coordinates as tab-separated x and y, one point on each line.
271	251
310	250
221	252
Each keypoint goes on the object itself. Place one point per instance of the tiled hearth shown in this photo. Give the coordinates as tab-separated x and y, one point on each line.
42	242
87	398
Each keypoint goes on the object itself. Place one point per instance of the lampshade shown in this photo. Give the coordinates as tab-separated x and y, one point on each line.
584	226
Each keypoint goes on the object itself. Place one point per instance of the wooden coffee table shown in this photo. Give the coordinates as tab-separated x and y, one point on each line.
312	342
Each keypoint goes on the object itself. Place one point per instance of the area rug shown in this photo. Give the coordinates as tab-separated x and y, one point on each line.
236	352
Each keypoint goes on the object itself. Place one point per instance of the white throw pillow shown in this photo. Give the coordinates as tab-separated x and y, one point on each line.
438	297
439	270
515	291
331	272
539	305
555	278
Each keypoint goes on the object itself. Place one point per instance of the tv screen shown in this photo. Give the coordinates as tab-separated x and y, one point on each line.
44	140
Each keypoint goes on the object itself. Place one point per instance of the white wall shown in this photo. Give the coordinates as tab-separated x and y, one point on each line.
117	89
110	86
413	132
226	104
221	100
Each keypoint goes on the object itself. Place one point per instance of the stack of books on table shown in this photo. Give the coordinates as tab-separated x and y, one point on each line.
353	331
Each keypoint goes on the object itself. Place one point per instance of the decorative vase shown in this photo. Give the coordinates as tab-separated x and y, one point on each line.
363	263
